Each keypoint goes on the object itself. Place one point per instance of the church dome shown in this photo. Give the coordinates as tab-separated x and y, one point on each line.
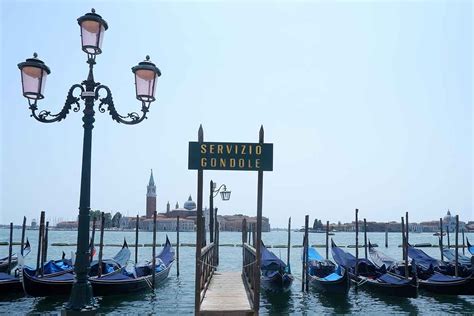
190	204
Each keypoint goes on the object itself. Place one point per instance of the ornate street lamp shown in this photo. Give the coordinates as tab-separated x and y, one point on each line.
33	77
225	195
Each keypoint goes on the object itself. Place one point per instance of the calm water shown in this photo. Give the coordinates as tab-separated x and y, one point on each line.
176	295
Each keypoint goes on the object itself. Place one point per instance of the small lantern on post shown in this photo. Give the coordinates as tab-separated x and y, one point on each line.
92	32
33	77
146	73
225	195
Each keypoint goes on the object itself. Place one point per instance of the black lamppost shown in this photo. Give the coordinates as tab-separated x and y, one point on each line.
225	195
33	76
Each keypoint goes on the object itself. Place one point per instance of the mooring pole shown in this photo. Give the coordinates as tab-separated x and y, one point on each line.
357	243
306	279
177	245
40	243
92	239
327	240
256	305
386	236
136	238
23	230
456	261
43	237
463	244
404	246
153	260
211	212
447	236
305	253
289	244
45	252
197	274
10	249
407	230
101	243
365	238
441	237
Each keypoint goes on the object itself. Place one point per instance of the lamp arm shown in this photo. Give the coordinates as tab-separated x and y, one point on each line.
219	189
46	117
130	119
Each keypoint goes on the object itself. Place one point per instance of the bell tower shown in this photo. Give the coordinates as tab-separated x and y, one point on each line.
150	197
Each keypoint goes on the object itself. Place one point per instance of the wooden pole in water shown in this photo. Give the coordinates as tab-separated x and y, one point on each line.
357	243
45	244
386	236
177	245
23	230
136	238
289	244
327	240
153	260
198	271
40	239
365	237
10	249
441	237
456	258
407	230
463	244
101	243
447	236
404	246
305	254
92	239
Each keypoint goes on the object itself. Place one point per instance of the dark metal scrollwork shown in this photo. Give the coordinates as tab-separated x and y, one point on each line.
46	116
130	119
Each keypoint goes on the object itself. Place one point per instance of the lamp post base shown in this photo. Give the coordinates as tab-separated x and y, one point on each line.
81	297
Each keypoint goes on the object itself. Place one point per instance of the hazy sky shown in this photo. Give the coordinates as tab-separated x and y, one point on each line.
368	104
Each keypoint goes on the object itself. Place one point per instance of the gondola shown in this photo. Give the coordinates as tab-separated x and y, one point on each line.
378	280
275	274
434	275
14	258
10	283
325	276
450	255
139	278
470	247
57	276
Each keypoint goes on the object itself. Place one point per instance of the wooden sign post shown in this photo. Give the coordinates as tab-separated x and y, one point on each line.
236	157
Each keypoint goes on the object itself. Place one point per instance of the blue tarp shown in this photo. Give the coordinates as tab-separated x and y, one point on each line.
167	254
423	259
346	259
116	277
438	277
313	255
332	277
6	276
270	261
62	277
391	279
55	266
450	255
470	247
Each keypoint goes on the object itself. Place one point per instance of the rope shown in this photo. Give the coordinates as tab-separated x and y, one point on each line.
362	282
249	264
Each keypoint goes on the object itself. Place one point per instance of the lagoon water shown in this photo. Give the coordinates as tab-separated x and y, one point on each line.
176	294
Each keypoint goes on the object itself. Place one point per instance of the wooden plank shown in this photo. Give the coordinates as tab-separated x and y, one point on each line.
226	295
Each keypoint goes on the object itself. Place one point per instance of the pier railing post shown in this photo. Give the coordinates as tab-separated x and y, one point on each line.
256	303
199	226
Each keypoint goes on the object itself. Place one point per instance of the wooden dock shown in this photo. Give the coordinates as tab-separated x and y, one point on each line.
226	295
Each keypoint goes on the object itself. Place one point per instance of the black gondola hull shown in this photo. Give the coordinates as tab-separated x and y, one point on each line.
408	289
277	283
111	287
45	286
340	286
10	287
457	287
